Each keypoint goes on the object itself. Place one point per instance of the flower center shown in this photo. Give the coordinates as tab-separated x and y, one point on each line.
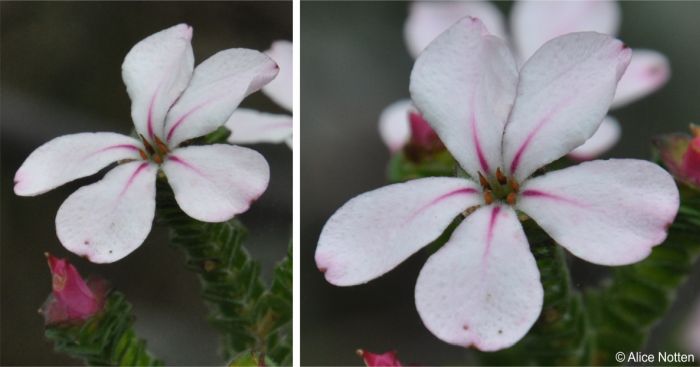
501	188
156	151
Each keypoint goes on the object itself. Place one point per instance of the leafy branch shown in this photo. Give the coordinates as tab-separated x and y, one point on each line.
106	339
254	319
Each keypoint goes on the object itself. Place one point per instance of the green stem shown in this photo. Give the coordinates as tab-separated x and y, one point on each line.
253	319
107	339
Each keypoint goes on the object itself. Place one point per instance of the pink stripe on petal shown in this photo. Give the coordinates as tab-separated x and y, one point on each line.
133	177
185	164
150	113
439	199
548	117
479	152
545	195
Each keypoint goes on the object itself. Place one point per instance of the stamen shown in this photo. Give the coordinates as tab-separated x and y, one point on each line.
157	159
514	185
143	155
500	176
149	147
162	148
484	182
488	197
511	198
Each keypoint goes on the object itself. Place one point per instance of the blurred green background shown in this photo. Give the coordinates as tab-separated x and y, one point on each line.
353	64
60	74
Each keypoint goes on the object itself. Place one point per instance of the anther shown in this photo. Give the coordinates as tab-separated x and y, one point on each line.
162	148
501	177
514	185
157	159
484	182
143	155
511	198
488	197
148	145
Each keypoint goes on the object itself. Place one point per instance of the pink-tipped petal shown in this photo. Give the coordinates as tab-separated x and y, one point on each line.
374	232
482	289
394	127
603	140
280	88
251	127
218	85
648	71
70	157
464	85
427	19
212	183
606	212
109	219
155	72
564	93
535	22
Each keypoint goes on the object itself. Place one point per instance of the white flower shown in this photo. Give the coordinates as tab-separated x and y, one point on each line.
482	288
249	126
532	24
170	103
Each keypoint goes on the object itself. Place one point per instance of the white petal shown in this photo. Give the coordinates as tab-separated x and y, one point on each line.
564	92
536	22
605	212
218	85
280	88
427	19
109	219
394	126
648	71
155	72
70	157
250	127
212	183
483	287
374	232
464	84
604	138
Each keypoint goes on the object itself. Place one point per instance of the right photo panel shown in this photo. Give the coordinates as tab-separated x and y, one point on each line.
500	183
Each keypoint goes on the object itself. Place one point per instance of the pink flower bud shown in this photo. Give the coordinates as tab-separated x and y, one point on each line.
680	153
387	359
72	299
424	140
691	160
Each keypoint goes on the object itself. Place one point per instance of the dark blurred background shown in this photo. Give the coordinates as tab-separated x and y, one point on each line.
60	74
353	64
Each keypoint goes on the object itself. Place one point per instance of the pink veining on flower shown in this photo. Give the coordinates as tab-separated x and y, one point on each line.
482	289
172	102
388	359
72	299
533	23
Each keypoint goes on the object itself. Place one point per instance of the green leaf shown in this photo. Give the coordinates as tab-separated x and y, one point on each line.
106	339
253	318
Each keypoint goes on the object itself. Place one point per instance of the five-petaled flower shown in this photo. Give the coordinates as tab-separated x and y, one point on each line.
249	126
501	123
171	102
72	299
532	24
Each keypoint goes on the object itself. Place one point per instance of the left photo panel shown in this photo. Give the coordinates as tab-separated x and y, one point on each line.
146	183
